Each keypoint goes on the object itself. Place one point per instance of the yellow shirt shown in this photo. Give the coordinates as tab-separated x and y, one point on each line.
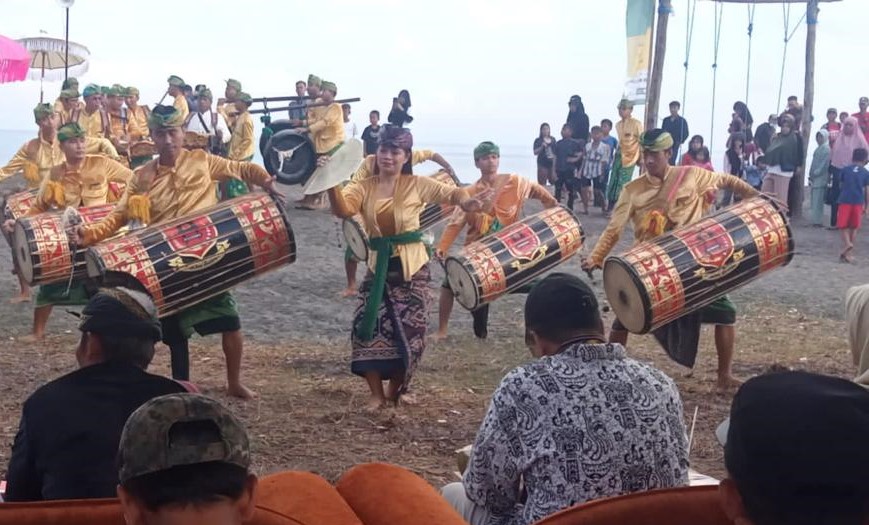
86	186
647	194
137	122
326	127
118	125
46	155
629	132
180	104
229	112
93	124
512	192
409	199
175	191
241	143
366	169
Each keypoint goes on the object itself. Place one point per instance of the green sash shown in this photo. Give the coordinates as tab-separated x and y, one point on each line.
383	246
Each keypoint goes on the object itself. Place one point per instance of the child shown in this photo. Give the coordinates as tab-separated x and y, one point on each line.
853	196
597	155
703	159
567	153
606	126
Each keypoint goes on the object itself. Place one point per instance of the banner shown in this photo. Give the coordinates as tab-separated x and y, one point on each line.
640	15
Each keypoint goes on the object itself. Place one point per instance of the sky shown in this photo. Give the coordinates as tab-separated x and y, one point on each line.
476	69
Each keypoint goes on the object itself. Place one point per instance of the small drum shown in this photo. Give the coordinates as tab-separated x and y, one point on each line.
18	204
194	140
510	258
357	241
42	248
187	260
660	280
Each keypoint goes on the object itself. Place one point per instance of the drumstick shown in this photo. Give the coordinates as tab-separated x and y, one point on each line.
691	435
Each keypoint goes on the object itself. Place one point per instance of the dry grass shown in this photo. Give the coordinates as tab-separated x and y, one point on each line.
309	414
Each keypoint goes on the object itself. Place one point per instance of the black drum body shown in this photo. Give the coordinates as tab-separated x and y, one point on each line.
290	156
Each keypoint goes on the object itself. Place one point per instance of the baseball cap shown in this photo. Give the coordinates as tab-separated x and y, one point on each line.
177	430
790	431
563	299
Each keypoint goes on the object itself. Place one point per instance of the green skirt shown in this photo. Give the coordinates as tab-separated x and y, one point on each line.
618	178
55	295
217	307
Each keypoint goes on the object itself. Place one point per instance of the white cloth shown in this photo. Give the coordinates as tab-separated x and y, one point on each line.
350	130
196	125
586	423
777	170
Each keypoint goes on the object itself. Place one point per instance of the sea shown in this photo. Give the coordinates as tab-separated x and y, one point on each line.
514	158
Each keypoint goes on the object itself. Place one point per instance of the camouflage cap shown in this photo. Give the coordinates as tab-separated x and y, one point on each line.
233	83
69	93
132	91
154	438
116	90
175	80
91	90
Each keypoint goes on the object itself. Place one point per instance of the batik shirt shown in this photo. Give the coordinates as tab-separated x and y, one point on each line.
584	424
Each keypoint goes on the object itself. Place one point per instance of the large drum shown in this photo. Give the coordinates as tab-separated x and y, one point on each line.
42	249
510	258
190	259
658	281
431	216
18	204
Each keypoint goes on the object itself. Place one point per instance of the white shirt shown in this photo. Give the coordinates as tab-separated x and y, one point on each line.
195	124
350	131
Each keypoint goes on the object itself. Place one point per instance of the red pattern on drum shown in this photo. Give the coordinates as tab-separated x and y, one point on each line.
565	229
660	278
521	241
709	243
192	239
20	203
486	264
127	254
769	231
53	244
264	227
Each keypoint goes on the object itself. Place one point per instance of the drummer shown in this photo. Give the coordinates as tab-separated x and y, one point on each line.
326	128
366	169
644	203
175	184
137	115
82	180
67	102
503	196
118	118
176	91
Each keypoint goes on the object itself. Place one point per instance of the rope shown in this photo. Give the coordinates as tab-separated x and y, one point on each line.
789	34
719	12
751	10
689	37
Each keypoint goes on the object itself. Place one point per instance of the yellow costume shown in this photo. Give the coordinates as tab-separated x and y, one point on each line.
46	155
382	218
86	186
629	131
327	127
94	124
118	125
137	122
241	146
175	191
643	199
64	114
366	169
180	104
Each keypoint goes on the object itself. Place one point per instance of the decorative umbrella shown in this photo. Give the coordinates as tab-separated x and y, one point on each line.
14	60
47	59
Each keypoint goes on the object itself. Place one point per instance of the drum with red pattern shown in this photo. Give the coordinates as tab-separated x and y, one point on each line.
187	260
660	280
510	258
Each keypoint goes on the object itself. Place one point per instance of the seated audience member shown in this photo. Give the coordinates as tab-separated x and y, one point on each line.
795	452
68	437
184	458
581	422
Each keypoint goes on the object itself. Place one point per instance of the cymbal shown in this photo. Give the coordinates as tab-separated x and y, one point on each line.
341	166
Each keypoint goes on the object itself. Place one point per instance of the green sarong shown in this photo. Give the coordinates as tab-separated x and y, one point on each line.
222	305
619	176
55	295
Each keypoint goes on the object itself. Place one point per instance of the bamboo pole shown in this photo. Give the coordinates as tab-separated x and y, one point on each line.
653	97
812	11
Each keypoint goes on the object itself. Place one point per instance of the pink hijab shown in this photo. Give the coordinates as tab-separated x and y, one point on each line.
845	144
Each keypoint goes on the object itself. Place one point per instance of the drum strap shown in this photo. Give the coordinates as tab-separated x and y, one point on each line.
383	246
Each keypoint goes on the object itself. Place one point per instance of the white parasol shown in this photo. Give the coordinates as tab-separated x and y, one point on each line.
48	62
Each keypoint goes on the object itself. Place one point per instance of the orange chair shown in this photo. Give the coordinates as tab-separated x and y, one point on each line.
679	506
102	512
306	497
382	494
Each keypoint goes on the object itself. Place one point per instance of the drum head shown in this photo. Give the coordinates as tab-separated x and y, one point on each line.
356	240
341	166
627	300
290	157
462	284
275	126
21	250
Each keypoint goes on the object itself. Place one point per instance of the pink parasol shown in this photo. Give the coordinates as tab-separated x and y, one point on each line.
14	60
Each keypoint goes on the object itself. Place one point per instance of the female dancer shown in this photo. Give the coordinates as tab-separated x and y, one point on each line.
388	333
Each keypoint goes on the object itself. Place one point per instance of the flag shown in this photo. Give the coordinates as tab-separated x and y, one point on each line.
640	15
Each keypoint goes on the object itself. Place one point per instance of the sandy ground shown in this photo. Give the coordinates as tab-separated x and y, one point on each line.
308	415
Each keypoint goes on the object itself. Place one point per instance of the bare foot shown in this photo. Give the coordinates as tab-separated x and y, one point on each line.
242	392
374	404
441	335
727	383
350	291
18	299
32	338
407	399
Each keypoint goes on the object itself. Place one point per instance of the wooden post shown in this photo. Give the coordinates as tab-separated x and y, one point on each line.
796	201
653	97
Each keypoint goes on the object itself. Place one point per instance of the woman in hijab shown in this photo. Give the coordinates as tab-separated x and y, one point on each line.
741	111
388	331
819	177
577	118
842	151
857	317
784	156
398	115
